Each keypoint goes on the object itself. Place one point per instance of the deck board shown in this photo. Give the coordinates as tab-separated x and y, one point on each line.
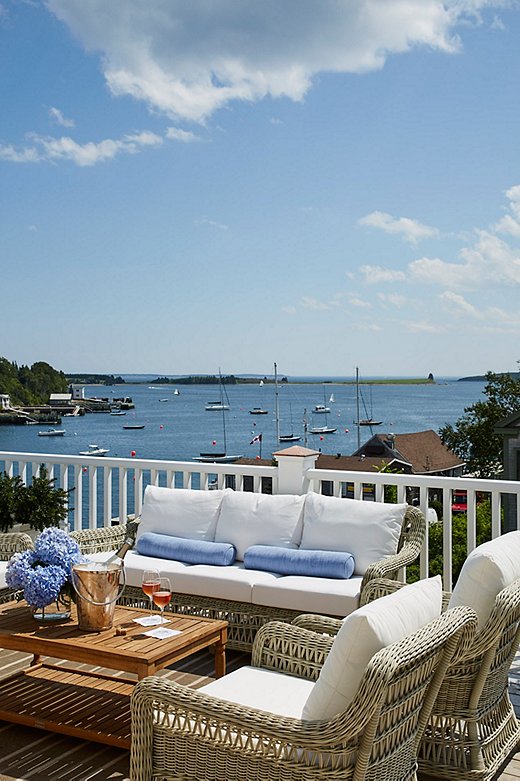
29	754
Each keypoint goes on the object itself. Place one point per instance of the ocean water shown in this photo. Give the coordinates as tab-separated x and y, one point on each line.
180	428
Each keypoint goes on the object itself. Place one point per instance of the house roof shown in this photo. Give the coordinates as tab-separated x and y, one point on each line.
424	450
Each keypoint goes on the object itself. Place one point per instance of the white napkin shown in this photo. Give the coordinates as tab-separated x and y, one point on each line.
161	633
153	620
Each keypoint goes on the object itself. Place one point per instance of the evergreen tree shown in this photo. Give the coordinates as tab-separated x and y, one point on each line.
472	437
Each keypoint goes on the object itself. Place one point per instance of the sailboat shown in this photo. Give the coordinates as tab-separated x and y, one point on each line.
259	410
322	409
369	420
282	437
219	457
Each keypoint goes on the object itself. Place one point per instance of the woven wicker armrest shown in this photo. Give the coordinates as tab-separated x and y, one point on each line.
13	542
97	540
290	649
316	623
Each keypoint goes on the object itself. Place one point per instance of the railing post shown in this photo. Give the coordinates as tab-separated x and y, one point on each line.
293	462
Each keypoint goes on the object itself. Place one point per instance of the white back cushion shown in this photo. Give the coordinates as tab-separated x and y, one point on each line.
180	512
368	530
364	632
488	569
247	519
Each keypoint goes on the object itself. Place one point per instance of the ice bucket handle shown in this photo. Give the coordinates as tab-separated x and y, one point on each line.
92	601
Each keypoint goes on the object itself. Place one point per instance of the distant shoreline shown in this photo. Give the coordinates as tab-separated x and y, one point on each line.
234	380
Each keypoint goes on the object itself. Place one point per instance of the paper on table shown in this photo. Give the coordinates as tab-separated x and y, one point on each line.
151	620
161	633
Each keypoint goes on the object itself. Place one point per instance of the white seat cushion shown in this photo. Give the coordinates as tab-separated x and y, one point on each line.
180	512
363	633
370	531
233	582
488	569
310	595
267	690
247	519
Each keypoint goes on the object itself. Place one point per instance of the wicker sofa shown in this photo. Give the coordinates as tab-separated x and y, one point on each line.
10	543
383	538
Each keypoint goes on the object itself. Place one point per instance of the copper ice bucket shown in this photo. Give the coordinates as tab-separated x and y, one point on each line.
98	587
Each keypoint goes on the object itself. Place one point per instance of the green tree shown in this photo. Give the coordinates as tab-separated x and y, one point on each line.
472	437
42	504
459	542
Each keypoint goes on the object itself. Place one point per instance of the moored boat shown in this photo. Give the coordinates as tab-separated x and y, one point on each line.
94	450
52	432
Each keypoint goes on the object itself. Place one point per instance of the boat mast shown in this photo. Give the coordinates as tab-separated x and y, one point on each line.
223	410
357	407
277	409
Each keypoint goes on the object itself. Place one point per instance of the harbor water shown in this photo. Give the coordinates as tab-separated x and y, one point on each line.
178	427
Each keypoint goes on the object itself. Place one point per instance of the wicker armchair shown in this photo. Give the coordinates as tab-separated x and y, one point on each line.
179	733
473	729
12	542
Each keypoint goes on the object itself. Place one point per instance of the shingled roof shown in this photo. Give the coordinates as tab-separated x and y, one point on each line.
423	450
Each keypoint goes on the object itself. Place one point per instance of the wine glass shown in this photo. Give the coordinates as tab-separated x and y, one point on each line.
162	595
150	583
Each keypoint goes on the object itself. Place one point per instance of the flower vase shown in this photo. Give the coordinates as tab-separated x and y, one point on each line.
56	611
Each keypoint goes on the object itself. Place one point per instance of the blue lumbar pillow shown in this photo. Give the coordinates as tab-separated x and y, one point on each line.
291	561
163	546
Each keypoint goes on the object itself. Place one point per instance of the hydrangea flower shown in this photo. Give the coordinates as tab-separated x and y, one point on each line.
45	572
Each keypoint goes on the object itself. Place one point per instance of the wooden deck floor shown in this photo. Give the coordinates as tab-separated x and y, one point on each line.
36	755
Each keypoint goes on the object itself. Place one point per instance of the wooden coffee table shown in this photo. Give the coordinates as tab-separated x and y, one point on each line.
92	705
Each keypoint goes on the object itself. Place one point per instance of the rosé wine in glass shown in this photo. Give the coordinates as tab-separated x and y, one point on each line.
162	595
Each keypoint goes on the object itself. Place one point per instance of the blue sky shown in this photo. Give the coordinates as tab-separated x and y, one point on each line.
188	185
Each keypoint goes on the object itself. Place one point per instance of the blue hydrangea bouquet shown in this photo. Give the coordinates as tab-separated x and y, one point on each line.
44	574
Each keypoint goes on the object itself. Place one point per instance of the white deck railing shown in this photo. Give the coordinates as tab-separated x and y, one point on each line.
110	488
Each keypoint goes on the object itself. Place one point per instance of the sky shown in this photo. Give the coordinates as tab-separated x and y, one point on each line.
194	184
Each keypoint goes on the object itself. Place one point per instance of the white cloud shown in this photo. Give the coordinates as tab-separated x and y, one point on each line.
359	302
57	116
312	303
375	274
410	230
190	59
289	310
457	304
47	148
176	134
392	298
510	223
425	327
212	224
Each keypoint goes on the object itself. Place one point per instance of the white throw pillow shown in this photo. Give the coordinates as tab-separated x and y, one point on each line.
363	633
180	512
487	570
247	519
368	530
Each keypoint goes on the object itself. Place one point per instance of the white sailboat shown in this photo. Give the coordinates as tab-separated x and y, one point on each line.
282	437
219	457
322	409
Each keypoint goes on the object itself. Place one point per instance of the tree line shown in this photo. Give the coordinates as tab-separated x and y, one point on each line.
28	385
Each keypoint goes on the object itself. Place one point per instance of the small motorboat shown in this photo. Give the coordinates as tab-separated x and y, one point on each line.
321	409
52	432
258	411
117	412
323	430
216	406
94	450
133	425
